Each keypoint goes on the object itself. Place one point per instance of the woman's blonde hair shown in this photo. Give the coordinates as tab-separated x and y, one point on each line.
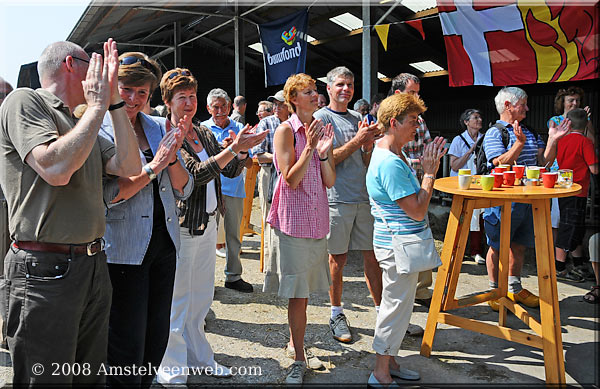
175	80
294	83
142	71
397	106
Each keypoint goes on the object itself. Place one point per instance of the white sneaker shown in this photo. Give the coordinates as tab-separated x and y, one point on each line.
479	259
221	252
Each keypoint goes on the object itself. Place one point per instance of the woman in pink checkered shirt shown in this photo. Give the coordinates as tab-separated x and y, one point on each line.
299	214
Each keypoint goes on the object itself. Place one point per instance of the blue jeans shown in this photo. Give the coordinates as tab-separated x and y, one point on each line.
521	225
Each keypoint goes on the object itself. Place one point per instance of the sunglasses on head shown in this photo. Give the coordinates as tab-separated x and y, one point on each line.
133	60
179	73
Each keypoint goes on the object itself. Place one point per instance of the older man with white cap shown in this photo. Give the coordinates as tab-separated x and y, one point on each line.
264	153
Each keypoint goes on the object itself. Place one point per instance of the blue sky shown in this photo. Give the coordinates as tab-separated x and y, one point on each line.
27	27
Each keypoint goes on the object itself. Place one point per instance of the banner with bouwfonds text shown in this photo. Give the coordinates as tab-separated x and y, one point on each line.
284	47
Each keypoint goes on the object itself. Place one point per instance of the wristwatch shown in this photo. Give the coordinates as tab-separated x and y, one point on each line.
149	172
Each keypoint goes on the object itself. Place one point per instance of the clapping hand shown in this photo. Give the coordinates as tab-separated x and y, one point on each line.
111	59
248	138
325	140
433	152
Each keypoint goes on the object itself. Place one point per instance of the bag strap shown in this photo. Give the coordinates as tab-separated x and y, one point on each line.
464	140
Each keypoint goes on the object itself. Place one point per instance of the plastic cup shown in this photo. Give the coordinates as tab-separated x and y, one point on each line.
464	181
506	166
509	178
498	179
464	172
500	169
533	172
565	178
542	171
519	171
487	182
550	179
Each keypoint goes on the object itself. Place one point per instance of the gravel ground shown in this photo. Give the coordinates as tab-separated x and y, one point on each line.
249	331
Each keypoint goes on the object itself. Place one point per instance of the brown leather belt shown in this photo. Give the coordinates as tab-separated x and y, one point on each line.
90	249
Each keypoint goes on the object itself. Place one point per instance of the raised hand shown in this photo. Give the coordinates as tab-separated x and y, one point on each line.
521	137
561	130
111	60
325	141
96	88
432	154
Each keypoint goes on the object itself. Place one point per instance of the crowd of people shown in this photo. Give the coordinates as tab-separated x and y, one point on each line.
116	217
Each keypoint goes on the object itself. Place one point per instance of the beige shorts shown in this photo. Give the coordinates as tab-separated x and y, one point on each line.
350	228
297	266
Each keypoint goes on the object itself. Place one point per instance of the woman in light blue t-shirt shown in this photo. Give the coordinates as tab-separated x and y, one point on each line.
399	205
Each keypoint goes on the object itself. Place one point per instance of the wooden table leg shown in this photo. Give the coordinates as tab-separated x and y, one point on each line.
503	258
549	311
442	273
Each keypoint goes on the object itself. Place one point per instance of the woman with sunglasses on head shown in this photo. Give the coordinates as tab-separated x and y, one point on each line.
193	292
462	156
142	229
299	215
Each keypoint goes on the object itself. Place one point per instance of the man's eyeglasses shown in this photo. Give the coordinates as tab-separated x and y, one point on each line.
179	73
81	59
264	110
133	60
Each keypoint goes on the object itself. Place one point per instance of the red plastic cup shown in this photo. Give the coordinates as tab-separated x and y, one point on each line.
509	178
542	171
549	179
498	179
519	171
499	169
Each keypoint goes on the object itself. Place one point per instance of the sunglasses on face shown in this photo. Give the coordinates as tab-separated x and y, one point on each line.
133	60
179	73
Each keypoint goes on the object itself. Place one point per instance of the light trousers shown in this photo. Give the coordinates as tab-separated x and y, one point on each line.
397	299
192	297
264	177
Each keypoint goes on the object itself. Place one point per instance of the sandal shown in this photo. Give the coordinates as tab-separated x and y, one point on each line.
593	296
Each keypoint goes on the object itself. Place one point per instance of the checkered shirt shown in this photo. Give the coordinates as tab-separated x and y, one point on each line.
302	212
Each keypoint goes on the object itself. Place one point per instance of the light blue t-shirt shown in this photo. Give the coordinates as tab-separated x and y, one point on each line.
458	148
232	187
390	179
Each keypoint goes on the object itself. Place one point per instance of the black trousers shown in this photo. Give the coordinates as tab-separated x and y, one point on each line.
140	313
57	310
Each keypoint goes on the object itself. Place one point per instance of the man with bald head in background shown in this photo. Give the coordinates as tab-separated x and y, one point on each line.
56	293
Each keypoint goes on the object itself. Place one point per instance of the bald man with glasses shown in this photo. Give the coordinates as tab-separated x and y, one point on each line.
56	293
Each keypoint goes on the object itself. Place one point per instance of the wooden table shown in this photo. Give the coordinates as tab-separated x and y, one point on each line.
547	333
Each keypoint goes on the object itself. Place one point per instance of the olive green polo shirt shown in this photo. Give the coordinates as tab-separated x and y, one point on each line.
73	213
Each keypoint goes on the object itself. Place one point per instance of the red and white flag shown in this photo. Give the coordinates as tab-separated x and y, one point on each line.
510	42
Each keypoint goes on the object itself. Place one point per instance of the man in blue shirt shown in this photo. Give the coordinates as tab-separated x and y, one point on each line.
218	105
524	147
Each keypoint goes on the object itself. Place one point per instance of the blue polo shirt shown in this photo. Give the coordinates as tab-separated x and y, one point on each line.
232	187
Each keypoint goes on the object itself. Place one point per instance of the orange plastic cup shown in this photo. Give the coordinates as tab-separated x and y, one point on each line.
498	179
519	171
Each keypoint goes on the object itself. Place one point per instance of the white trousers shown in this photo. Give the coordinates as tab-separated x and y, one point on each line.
192	297
397	300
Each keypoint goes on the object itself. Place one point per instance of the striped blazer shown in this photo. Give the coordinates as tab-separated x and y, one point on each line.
192	211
